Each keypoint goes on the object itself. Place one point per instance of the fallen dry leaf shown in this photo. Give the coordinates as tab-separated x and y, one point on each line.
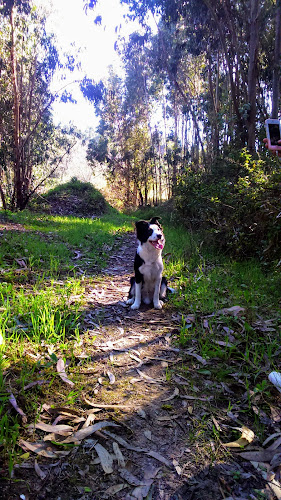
159	457
272	436
130	478
196	356
147	434
62	410
141	492
135	380
14	403
273	483
90	419
246	438
148	379
112	490
216	424
275	379
105	458
42	449
118	454
275	414
32	384
61	372
111	377
275	445
192	398
234	310
57	429
21	263
55	437
123	442
108	407
39	471
135	358
260	455
83	433
177	467
175	394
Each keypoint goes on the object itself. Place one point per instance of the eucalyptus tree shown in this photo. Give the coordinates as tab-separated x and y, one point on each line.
31	146
231	35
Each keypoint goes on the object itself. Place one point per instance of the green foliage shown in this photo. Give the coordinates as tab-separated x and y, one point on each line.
42	304
32	147
236	205
74	197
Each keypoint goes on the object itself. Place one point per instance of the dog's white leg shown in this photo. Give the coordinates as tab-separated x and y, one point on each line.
137	302
163	290
156	302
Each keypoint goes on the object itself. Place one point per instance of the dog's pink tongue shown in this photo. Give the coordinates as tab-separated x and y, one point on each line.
157	244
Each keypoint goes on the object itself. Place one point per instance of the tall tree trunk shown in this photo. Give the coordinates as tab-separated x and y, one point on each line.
276	67
3	199
252	73
213	113
17	195
174	173
230	62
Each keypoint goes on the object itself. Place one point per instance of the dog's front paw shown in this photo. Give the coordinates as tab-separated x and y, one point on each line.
135	306
129	301
158	305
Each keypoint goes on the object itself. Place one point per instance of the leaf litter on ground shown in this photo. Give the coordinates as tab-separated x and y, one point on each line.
62	373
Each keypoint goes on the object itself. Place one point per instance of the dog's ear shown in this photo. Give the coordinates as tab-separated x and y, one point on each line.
155	220
140	224
141	229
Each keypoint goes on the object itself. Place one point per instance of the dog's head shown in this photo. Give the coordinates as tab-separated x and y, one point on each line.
150	232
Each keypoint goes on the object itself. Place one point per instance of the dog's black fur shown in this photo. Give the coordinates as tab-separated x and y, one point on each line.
148	285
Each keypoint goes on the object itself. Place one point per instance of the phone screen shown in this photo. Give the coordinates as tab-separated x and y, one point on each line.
274	132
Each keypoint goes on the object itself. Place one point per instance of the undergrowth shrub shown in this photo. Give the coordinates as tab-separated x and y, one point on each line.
73	197
238	208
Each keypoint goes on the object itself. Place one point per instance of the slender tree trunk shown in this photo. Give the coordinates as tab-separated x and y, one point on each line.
3	199
276	67
252	73
17	195
174	173
165	121
214	117
235	94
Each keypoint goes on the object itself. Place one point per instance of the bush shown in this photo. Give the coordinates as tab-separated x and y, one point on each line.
72	198
239	210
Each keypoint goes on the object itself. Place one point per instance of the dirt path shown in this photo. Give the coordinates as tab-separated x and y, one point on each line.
145	381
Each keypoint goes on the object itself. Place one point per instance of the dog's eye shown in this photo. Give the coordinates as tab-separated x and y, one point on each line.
150	231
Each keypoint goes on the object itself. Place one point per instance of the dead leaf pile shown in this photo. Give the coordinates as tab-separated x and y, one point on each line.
54	440
267	461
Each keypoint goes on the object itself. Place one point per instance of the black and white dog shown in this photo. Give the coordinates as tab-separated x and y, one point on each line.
148	285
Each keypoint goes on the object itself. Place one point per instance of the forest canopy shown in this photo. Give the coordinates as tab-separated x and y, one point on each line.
196	90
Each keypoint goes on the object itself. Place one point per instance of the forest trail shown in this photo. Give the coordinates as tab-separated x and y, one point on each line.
139	380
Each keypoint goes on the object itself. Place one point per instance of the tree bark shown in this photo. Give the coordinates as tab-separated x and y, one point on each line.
17	195
230	65
276	67
252	72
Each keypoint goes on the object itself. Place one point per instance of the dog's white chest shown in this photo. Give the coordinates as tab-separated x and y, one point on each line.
152	267
151	271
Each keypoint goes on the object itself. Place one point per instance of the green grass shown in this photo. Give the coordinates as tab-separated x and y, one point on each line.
44	263
245	346
45	270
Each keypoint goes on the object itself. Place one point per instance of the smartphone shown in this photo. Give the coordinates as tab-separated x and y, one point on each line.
273	134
